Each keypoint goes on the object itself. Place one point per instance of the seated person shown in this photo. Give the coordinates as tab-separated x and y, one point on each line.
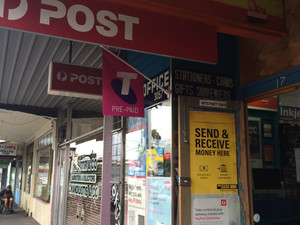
7	196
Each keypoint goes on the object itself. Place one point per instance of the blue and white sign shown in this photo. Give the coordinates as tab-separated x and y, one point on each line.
159	201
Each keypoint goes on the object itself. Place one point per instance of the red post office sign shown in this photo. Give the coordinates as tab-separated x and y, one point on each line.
114	25
75	81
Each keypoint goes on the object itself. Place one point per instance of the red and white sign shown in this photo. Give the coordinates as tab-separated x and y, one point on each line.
74	80
123	93
113	24
8	150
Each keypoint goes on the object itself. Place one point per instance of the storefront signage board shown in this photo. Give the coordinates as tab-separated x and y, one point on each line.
74	80
122	88
289	113
208	211
159	205
136	201
153	94
8	150
6	159
203	84
253	19
118	25
212	153
213	104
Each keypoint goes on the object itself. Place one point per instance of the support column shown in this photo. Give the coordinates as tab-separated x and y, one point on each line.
106	170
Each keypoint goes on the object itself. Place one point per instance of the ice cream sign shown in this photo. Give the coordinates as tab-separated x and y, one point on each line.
8	150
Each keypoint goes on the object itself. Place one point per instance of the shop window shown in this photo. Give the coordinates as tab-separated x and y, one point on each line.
117	122
116	156
28	169
148	167
81	126
84	191
159	141
44	168
19	175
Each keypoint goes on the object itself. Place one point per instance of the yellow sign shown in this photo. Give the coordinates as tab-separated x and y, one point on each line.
155	162
212	153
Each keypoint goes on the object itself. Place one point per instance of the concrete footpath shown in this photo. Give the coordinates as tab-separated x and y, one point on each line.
18	217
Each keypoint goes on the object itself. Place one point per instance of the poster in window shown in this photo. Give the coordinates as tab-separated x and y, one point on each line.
155	162
159	207
254	136
268	153
268	128
213	167
136	204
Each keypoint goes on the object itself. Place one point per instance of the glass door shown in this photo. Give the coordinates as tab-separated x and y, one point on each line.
208	162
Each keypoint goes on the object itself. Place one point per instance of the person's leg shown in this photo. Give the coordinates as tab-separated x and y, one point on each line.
6	203
10	202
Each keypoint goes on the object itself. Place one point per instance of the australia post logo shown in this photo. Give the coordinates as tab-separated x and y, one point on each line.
123	93
30	14
15	13
74	80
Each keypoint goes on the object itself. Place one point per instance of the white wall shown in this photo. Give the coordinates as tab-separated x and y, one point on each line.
291	99
40	211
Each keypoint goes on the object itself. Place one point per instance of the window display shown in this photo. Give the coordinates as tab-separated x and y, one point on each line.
28	168
44	168
148	167
43	178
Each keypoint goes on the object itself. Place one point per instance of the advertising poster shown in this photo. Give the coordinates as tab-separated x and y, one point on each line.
136	204
159	201
212	153
155	162
210	211
136	153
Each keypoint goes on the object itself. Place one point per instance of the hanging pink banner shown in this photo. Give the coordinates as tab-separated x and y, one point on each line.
114	25
122	88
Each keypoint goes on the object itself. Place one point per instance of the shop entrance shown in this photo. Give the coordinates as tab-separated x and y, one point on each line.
209	152
274	141
63	168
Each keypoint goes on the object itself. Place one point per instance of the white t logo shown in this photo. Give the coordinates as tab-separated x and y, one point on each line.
126	81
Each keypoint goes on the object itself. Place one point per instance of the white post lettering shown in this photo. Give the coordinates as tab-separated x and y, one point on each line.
46	14
74	76
89	21
2	8
102	16
126	81
129	21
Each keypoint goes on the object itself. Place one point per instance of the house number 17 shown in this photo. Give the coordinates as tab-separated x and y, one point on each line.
280	81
